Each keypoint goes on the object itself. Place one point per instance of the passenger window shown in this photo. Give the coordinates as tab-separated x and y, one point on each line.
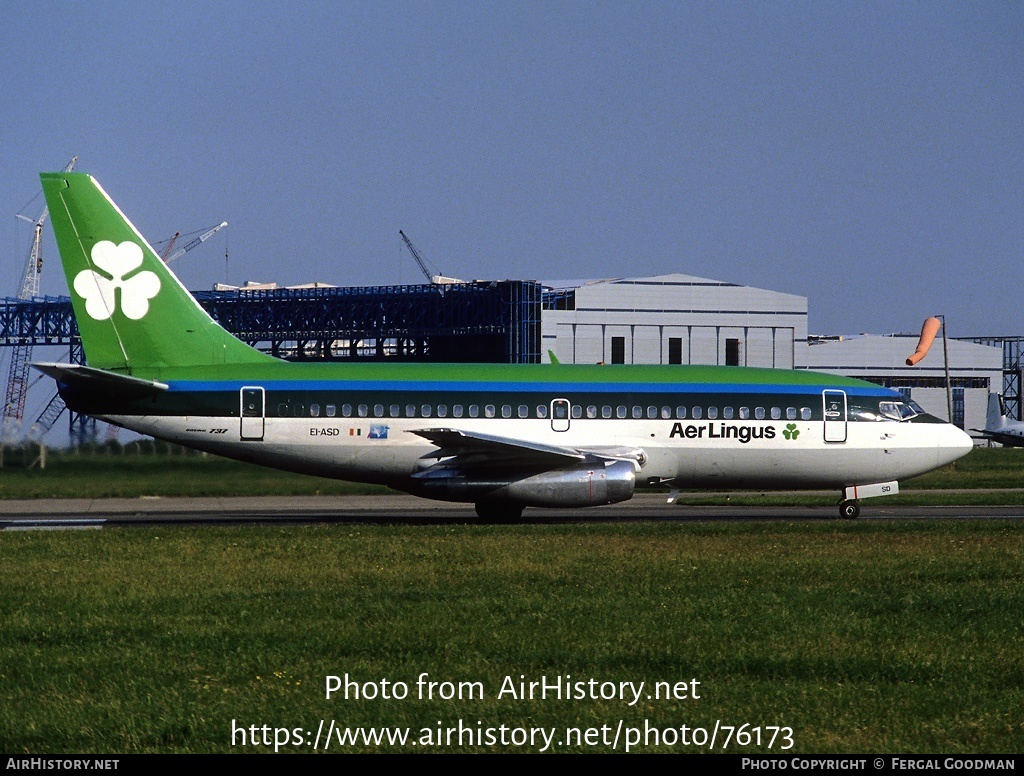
378	410
314	410
457	411
606	411
776	413
805	413
346	410
331	410
489	411
790	413
620	411
759	413
362	410
681	412
542	410
506	411
395	410
697	413
591	411
282	410
426	409
524	411
442	410
638	412
652	412
577	410
728	413
666	412
410	410
474	411
712	413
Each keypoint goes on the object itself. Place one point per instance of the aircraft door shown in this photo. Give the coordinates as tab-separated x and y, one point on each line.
253	401
835	415
560	415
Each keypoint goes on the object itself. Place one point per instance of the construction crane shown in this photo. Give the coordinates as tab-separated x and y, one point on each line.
194	243
18	374
416	255
170	246
438	279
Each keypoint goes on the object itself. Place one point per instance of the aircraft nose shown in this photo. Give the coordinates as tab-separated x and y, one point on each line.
954	443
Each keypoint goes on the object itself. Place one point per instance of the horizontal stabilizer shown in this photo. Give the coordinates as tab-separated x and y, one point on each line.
81	378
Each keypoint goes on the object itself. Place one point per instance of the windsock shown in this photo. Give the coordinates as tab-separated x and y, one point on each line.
928	332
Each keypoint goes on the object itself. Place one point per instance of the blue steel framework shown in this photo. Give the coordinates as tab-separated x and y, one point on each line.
495	321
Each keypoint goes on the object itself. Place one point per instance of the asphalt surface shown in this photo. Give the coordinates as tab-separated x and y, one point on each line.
398	509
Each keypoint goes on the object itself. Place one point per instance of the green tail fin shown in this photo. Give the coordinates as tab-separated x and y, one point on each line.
132	312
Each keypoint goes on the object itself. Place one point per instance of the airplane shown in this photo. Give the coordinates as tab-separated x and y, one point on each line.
999	427
503	437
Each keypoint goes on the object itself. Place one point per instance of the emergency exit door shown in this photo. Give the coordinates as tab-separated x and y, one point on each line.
253	402
835	415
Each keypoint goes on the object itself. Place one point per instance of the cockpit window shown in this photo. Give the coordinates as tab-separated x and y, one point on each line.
899	410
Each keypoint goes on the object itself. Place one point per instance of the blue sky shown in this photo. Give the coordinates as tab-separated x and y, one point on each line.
865	155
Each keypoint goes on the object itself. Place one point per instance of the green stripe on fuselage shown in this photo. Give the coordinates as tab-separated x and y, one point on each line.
615	377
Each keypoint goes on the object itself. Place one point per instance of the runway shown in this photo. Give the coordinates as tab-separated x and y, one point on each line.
409	510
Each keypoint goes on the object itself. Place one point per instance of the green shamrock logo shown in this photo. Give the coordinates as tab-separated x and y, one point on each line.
790	431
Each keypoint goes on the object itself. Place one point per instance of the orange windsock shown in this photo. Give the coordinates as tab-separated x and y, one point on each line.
928	332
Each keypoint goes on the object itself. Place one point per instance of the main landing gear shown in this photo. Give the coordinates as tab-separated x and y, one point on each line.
849	509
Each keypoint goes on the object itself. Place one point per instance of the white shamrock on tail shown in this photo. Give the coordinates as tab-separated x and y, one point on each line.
99	292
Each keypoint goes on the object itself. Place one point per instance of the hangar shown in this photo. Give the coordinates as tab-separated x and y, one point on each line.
672	319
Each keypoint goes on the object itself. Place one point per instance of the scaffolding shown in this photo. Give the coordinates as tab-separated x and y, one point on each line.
496	321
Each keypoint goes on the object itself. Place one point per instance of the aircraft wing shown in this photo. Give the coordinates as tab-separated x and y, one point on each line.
474	449
470	449
1005	439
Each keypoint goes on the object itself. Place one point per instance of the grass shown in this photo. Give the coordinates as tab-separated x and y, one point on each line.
115	475
862	637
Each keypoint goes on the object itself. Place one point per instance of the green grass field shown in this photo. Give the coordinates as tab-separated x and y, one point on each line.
860	637
184	473
870	636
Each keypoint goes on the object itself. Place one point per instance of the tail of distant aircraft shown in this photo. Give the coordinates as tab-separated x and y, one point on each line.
132	312
996	416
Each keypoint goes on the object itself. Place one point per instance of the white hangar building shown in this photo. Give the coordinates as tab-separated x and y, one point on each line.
672	319
681	319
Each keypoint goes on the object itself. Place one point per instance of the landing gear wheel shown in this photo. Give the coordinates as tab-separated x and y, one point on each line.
849	509
498	511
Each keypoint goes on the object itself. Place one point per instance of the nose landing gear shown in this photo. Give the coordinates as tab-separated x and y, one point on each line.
849	509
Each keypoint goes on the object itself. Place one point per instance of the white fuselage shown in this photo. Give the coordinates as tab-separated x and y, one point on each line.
687	453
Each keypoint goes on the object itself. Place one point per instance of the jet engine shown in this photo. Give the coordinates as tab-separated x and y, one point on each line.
582	485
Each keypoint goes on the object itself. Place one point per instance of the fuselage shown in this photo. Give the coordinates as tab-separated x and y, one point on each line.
684	426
